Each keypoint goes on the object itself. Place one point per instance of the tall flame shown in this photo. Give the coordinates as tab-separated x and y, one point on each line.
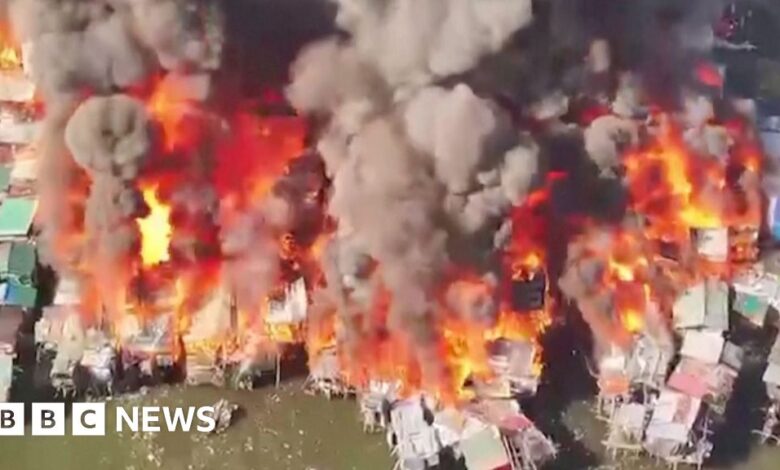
155	230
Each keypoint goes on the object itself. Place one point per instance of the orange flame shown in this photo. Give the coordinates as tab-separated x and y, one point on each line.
660	181
677	189
10	58
168	105
155	230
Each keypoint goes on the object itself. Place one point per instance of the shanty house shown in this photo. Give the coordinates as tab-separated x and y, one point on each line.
529	294
513	362
648	363
712	383
286	313
613	380
705	346
704	305
148	344
60	337
771	376
17	271
413	436
15	87
672	420
755	291
527	446
626	428
10	321
210	327
325	374
375	403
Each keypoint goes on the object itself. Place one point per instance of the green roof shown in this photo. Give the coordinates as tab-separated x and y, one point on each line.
16	215
21	261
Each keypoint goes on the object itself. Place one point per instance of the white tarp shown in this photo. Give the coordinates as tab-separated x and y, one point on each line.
25	169
689	309
706	346
15	87
703	305
12	132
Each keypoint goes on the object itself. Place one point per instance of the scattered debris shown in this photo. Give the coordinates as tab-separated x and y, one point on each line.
223	413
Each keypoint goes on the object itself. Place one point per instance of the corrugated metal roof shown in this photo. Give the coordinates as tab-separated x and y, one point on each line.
21	260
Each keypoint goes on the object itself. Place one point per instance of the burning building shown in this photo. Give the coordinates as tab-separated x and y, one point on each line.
452	174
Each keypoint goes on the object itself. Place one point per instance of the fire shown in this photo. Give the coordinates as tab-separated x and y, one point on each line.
284	333
10	58
660	180
167	105
677	188
633	321
321	335
257	153
155	230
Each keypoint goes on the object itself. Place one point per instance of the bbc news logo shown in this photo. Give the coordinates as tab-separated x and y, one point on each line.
89	419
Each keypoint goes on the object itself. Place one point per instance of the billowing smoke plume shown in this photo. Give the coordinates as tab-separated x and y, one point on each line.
416	167
111	138
79	48
422	106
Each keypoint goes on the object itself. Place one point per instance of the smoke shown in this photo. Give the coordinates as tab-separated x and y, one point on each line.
434	119
422	106
415	167
412	43
78	46
111	138
87	58
607	138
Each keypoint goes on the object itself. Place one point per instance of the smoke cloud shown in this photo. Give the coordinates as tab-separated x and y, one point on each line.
415	167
